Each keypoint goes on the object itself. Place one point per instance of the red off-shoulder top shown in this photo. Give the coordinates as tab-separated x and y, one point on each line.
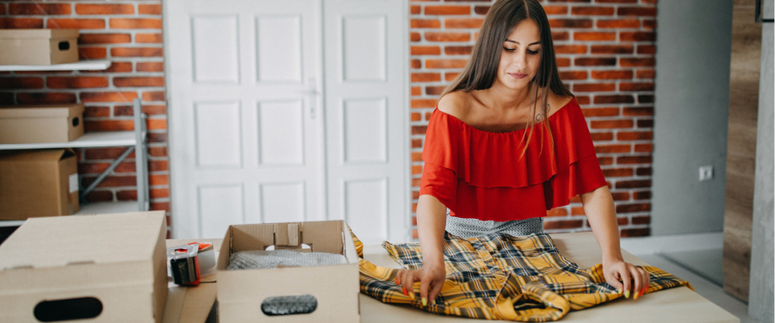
479	174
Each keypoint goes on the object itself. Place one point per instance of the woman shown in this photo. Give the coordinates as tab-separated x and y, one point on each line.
506	143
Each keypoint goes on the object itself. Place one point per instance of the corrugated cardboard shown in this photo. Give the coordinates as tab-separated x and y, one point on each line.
35	183
41	123
118	259
38	46
336	287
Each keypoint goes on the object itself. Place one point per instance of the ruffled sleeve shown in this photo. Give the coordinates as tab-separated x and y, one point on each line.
481	174
439	177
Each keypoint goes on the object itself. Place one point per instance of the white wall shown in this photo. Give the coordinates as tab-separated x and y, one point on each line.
691	104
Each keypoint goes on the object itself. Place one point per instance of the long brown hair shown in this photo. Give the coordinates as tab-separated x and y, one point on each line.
481	70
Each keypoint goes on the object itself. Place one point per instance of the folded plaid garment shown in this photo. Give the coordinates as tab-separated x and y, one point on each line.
501	277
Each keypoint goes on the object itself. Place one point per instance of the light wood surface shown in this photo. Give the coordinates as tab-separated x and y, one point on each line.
678	304
673	305
741	147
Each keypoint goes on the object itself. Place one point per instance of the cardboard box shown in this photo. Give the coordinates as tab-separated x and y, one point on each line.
38	46
35	183
111	266
41	123
336	287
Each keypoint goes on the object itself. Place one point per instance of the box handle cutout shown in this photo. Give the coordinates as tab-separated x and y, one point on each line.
302	247
64	45
289	305
76	121
68	309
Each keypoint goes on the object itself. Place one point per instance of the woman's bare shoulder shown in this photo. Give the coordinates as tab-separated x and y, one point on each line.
455	104
557	101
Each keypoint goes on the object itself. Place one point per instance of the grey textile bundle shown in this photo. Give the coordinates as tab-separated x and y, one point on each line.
262	259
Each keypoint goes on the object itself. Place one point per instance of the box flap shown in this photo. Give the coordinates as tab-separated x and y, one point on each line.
38	33
45	155
82	239
324	236
41	111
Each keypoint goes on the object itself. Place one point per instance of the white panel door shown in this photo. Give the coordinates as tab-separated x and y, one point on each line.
246	139
255	136
366	133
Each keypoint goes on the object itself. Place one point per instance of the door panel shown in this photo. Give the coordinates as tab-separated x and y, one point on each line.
364	131
281	128
282	202
224	202
366	151
240	103
366	206
363	47
217	129
279	48
215	50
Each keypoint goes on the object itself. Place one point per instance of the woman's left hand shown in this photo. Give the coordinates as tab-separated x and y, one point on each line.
626	277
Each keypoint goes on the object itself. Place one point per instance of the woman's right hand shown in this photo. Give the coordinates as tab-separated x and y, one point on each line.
431	278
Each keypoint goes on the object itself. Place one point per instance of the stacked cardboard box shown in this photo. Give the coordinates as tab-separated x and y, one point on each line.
37	183
24	124
38	46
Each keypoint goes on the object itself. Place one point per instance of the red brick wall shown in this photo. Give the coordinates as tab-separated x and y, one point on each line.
605	52
128	34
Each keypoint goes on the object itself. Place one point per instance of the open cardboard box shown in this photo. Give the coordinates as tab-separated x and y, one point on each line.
36	183
336	287
99	268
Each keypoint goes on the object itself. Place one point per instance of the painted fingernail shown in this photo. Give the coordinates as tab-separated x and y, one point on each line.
412	295
405	293
398	281
619	290
433	302
626	294
424	302
636	295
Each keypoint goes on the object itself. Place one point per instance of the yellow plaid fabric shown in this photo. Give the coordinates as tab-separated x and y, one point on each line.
501	277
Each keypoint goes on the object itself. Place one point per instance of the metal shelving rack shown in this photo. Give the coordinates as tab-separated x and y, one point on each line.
133	140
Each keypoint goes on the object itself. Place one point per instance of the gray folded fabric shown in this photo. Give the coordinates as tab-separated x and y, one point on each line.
261	259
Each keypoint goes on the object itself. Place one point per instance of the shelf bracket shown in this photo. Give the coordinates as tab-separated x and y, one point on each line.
141	162
105	173
141	157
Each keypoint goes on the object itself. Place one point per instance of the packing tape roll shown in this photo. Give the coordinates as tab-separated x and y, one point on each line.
184	264
206	258
207	262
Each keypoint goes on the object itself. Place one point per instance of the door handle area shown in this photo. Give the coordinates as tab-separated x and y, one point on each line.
312	92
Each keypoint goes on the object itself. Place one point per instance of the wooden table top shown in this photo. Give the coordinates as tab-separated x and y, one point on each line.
678	304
